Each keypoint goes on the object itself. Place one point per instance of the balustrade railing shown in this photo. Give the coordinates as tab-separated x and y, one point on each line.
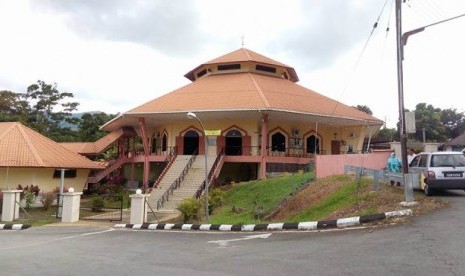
293	152
177	183
255	151
210	174
166	165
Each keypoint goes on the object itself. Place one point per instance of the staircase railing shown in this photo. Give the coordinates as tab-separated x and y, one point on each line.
101	174
177	183
166	165
210	174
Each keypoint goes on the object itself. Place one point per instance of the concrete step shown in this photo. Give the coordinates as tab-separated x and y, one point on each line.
189	187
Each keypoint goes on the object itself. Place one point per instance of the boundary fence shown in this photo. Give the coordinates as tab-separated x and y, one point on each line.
408	181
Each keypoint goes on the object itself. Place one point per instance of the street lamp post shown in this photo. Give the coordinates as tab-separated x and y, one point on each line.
191	115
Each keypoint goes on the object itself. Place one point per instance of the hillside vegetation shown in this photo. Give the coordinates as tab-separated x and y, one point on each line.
299	197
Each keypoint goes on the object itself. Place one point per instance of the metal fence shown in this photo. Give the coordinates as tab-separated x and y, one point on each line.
101	207
408	181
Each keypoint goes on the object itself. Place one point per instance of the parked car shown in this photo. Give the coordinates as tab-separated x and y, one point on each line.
439	170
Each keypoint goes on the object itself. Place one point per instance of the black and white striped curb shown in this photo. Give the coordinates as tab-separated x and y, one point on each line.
311	225
14	226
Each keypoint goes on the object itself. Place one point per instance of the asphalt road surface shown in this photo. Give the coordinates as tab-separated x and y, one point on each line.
432	244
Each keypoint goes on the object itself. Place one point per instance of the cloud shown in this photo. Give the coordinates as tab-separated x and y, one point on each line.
167	26
330	29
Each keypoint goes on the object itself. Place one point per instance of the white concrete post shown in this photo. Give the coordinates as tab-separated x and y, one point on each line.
138	210
10	210
71	204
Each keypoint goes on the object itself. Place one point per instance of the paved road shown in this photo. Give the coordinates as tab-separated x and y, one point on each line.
429	245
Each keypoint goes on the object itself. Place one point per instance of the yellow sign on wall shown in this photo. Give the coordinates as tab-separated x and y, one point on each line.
214	132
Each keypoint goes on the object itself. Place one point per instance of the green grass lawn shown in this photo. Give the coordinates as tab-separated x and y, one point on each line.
262	194
37	216
343	197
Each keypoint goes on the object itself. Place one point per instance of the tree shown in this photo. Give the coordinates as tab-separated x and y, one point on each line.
89	126
453	121
389	134
49	109
365	109
429	118
12	108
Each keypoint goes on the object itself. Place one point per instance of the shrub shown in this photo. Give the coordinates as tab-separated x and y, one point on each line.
32	189
57	190
189	209
116	179
29	198
105	189
216	198
97	204
47	199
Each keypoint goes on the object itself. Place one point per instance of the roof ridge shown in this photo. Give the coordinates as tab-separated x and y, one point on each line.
30	145
247	53
259	90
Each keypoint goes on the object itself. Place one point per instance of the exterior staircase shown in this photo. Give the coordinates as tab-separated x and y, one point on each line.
190	185
171	175
103	173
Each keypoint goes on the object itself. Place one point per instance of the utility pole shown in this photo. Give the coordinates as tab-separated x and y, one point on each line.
401	42
400	86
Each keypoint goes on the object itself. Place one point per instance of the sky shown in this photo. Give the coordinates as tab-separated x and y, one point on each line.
114	55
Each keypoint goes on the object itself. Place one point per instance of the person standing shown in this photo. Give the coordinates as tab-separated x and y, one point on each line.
410	155
393	165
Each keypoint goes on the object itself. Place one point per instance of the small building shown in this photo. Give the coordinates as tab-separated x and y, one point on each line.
29	158
456	144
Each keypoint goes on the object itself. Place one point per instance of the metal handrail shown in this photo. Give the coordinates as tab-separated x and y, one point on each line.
177	183
109	169
200	190
168	161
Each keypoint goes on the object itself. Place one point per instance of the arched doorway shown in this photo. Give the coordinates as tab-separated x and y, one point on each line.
233	142
278	142
191	142
313	144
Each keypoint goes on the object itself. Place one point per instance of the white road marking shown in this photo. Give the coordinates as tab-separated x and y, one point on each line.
53	240
225	243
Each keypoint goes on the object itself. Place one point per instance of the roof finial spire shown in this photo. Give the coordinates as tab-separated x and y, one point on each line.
242	41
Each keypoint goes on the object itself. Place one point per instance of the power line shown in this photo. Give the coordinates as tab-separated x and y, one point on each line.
375	25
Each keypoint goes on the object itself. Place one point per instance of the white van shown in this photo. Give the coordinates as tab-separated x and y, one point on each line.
439	170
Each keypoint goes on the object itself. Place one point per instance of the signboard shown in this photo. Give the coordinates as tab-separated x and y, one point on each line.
214	132
410	122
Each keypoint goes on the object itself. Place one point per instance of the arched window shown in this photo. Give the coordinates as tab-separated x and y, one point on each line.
313	144
233	142
278	142
154	144
164	142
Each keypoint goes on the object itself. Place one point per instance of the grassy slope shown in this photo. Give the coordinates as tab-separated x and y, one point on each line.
267	193
330	198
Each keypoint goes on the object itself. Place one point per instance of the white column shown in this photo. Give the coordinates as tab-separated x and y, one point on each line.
71	204
138	210
10	209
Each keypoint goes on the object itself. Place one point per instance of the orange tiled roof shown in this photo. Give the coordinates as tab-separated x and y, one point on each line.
100	145
241	55
248	91
79	147
21	146
245	90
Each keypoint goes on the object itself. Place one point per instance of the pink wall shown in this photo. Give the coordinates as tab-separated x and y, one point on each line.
327	165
